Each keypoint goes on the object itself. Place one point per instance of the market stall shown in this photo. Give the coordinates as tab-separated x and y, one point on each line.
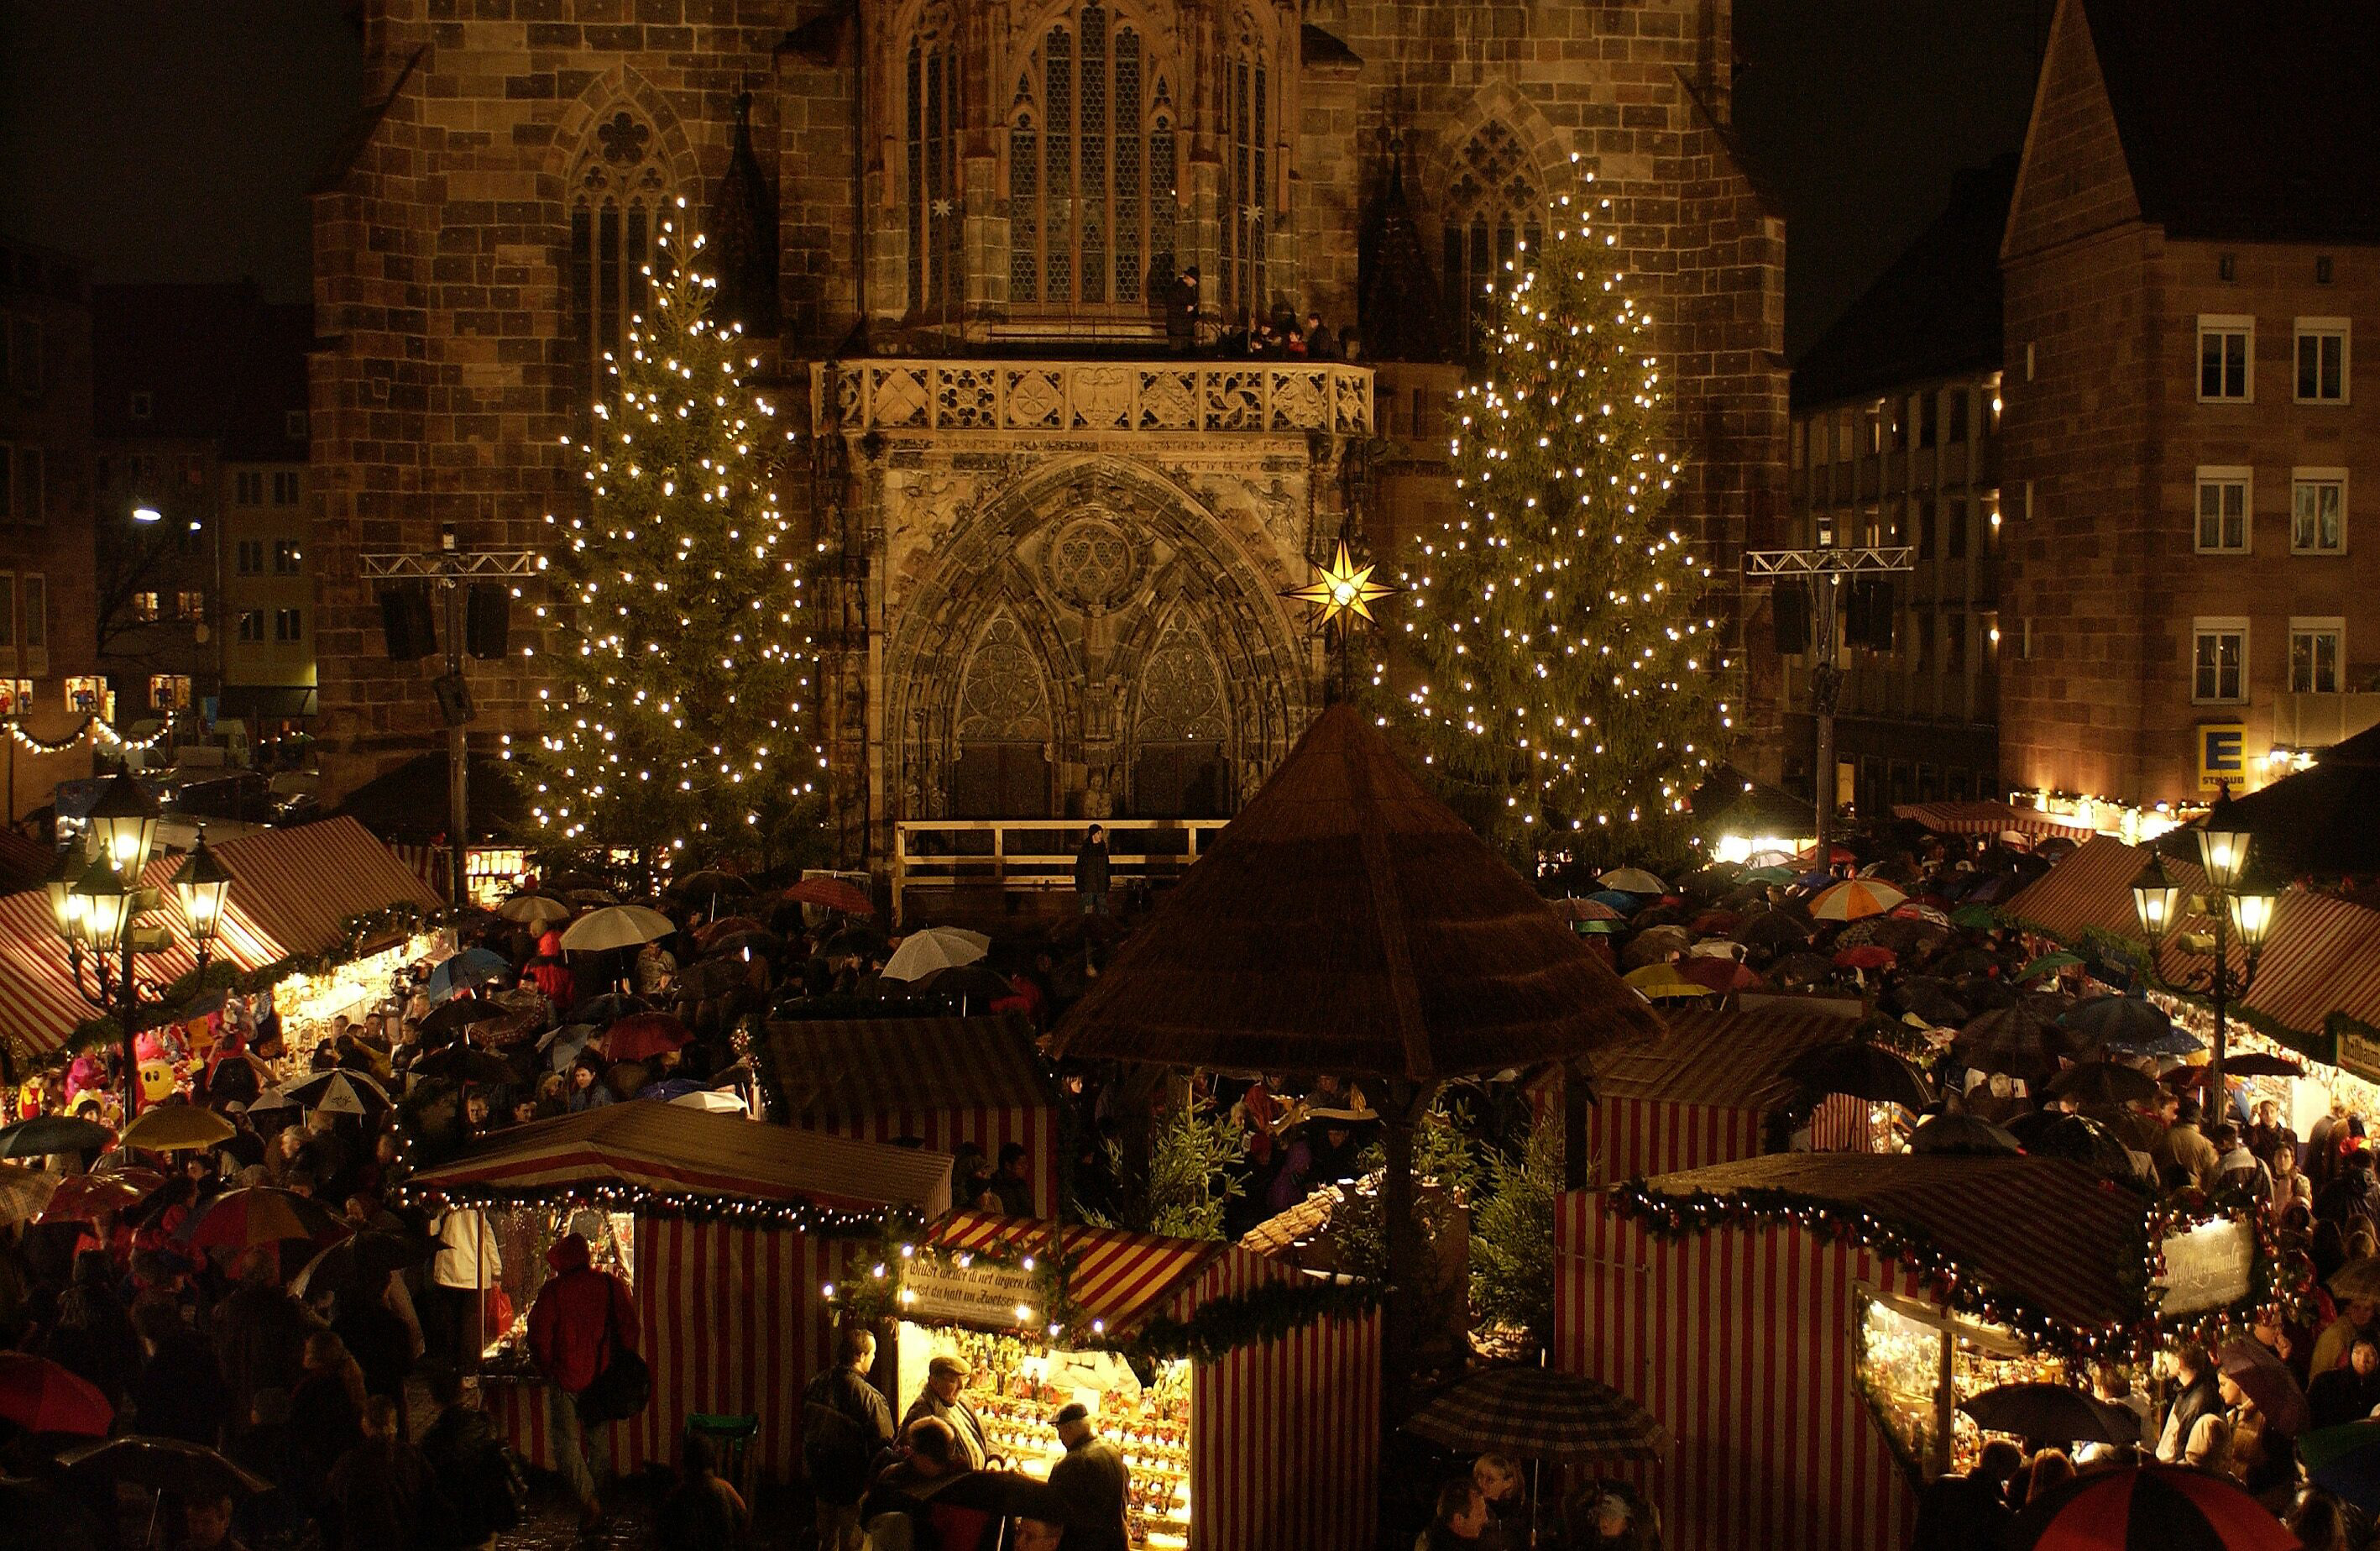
943	1080
1806	1324
1710	1091
726	1230
1244	1395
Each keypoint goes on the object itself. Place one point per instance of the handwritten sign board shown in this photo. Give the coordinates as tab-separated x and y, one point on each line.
2360	1054
2206	1267
981	1293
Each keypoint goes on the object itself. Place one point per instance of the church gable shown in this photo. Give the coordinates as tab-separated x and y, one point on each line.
2074	181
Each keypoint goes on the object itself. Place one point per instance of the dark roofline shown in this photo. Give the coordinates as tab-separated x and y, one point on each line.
360	131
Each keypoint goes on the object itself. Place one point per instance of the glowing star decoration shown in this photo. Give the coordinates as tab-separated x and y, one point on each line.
1345	592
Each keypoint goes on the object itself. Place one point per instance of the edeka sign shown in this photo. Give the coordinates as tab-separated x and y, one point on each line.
2222	756
2206	1267
979	1293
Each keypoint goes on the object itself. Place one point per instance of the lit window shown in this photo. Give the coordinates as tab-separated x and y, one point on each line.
2321	360
144	606
2219	659
2315	652
2318	512
2223	505
286	558
190	605
2226	358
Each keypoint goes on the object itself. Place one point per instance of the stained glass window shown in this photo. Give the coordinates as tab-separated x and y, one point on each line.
1090	168
934	208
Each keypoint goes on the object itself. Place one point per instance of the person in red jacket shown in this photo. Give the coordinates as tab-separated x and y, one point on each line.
549	972
581	1319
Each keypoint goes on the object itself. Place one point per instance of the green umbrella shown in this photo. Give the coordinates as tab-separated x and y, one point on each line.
2049	964
1771	875
1975	918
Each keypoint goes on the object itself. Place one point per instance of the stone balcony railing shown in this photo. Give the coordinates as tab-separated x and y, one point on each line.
1085	396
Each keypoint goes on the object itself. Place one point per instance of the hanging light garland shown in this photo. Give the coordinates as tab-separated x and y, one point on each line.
94	728
1570	667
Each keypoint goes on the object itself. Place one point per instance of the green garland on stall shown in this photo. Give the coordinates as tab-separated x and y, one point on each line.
357	933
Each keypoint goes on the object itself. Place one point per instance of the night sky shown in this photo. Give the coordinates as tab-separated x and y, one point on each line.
175	139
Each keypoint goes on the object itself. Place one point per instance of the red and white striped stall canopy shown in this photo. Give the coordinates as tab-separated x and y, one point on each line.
1115	1277
677	1151
291	890
2321	960
1725	1058
840	1072
2040	1233
1987	818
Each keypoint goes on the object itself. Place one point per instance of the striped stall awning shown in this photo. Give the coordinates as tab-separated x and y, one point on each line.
837	1071
1115	1277
1726	1059
1987	818
678	1151
291	890
2321	959
2044	1232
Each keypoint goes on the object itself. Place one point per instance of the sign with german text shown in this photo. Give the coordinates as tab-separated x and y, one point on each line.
2205	1267
981	1293
2222	756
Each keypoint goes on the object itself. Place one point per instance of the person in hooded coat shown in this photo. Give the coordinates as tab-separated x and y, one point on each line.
582	1319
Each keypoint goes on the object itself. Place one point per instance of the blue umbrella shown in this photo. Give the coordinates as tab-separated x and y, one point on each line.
1818	878
473	966
1626	904
563	1045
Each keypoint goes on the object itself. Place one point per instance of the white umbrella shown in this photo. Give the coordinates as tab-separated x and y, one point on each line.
617	927
712	1099
1633	880
341	1092
1716	947
935	947
534	909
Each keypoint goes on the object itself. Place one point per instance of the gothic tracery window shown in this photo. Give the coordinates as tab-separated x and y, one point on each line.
1492	206
1091	164
620	197
1245	133
934	204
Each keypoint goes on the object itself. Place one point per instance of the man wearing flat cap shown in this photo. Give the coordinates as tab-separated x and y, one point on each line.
1093	1481
946	1377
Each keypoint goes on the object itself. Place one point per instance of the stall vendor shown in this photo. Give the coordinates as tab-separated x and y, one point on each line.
946	1376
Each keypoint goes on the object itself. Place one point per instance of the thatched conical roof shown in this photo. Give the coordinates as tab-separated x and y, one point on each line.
1348	921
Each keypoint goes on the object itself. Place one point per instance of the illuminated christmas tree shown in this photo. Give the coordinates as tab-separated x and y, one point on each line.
676	718
1570	683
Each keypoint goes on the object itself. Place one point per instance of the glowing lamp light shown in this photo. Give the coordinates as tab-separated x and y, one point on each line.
2252	915
203	883
106	906
2223	846
2155	899
122	825
147	514
66	905
1344	591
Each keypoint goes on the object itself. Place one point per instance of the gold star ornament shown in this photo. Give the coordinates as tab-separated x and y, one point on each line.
1345	592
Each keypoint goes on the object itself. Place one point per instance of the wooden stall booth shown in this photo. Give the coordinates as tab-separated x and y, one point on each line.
1244	1395
1804	1325
725	1231
946	1081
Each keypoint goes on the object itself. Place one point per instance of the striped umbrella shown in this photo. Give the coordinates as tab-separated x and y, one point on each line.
2154	1508
1856	898
1538	1413
24	1192
258	1214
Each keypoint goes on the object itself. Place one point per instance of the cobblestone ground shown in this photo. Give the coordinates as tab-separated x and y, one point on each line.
553	1523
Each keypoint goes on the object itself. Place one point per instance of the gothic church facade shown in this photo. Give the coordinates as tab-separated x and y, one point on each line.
1053	548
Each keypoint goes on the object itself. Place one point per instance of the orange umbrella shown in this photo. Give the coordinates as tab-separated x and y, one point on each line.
1856	899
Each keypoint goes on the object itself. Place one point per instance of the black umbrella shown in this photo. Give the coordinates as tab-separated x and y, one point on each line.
163	1465
2019	1041
465	1063
1772	929
2129	1023
735	943
363	1259
449	1019
1803	966
711	976
2086	1140
711	880
1937	1007
1863	1071
2104	1082
608	1009
1955	1132
44	1134
967	982
856	938
2051	1413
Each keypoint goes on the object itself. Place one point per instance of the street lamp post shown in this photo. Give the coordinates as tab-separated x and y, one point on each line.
2235	906
97	898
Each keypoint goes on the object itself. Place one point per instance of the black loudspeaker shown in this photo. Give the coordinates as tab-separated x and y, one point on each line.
454	699
488	620
407	622
1869	615
1791	604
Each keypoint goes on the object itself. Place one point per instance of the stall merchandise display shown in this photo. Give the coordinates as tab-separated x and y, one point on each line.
1017	1386
1901	1372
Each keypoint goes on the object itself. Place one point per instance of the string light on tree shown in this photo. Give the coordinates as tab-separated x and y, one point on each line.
1569	669
677	715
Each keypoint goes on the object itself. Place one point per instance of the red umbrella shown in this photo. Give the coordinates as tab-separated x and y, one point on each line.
644	1035
2169	1507
834	894
1836	856
1867	956
258	1214
81	1197
41	1397
1719	975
